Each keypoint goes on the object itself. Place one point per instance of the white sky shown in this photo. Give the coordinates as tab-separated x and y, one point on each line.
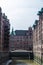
21	13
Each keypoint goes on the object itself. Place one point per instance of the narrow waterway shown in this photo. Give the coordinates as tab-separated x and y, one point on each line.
24	62
20	63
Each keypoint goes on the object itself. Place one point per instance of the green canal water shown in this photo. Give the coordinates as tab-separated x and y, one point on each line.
25	62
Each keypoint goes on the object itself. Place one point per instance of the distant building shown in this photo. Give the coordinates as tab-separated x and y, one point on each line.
21	39
38	38
4	37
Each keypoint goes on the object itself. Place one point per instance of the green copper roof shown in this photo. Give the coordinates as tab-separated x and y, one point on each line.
36	22
12	33
42	9
40	12
34	26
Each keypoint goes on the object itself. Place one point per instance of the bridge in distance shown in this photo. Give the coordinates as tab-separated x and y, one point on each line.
21	54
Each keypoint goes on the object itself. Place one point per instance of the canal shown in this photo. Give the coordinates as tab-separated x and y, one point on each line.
22	62
25	62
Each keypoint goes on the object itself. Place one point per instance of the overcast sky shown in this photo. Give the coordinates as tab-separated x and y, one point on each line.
21	13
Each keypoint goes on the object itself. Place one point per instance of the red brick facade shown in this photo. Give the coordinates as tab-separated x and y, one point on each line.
4	37
23	39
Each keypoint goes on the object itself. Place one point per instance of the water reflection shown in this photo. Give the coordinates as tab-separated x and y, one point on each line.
24	62
20	63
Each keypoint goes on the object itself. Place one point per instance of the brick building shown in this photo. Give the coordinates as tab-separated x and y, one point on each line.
4	36
38	38
21	39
